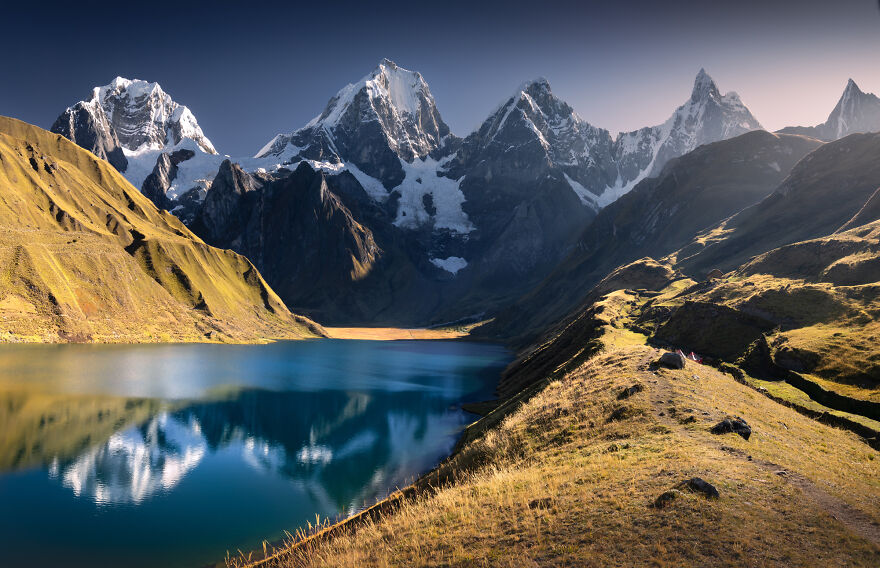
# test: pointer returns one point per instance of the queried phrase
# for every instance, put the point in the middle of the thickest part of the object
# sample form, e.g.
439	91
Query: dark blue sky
250	69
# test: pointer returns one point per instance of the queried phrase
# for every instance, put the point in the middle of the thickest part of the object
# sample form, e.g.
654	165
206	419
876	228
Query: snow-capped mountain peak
156	143
855	111
704	87
145	117
404	92
540	135
534	114
379	124
708	116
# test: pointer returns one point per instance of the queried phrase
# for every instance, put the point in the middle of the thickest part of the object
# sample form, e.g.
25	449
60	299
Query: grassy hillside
86	257
810	307
570	473
659	216
822	193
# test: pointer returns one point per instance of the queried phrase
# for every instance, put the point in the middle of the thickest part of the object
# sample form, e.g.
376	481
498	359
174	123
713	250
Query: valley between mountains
694	306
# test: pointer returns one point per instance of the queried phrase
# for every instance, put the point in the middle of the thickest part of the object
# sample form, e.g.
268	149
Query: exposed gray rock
224	214
156	184
694	485
85	124
698	485
733	425
672	360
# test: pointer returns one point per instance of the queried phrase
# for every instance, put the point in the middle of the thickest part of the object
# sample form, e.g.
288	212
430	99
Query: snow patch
451	264
371	185
586	196
422	178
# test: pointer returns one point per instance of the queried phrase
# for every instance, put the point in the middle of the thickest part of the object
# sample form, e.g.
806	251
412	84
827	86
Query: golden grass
794	395
84	256
567	479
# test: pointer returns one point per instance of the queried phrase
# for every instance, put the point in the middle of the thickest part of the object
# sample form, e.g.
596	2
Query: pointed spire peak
851	87
704	86
533	87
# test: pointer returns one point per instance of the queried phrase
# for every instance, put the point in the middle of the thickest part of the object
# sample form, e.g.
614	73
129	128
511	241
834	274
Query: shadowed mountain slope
658	217
822	193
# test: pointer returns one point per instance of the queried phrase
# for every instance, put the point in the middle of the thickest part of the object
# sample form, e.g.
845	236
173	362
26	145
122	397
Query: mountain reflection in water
175	464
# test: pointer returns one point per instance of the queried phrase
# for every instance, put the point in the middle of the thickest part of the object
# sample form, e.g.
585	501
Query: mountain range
663	289
458	225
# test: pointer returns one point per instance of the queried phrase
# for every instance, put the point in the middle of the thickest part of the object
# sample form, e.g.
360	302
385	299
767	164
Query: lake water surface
170	455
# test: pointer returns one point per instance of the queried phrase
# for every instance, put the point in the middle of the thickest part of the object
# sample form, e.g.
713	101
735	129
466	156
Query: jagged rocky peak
856	111
704	87
534	130
387	116
146	117
532	106
399	100
708	116
131	115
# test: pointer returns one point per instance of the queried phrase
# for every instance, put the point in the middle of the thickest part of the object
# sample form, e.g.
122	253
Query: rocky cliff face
856	111
145	135
322	241
86	125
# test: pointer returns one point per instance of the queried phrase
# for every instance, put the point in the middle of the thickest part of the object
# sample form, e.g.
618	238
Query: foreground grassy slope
564	469
569	476
85	257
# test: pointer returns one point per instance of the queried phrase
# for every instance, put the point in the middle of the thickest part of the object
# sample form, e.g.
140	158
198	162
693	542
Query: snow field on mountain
422	179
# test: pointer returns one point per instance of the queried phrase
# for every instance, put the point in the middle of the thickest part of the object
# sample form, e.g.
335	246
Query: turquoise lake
170	455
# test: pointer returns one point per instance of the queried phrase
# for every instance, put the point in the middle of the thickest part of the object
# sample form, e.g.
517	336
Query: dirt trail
663	397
